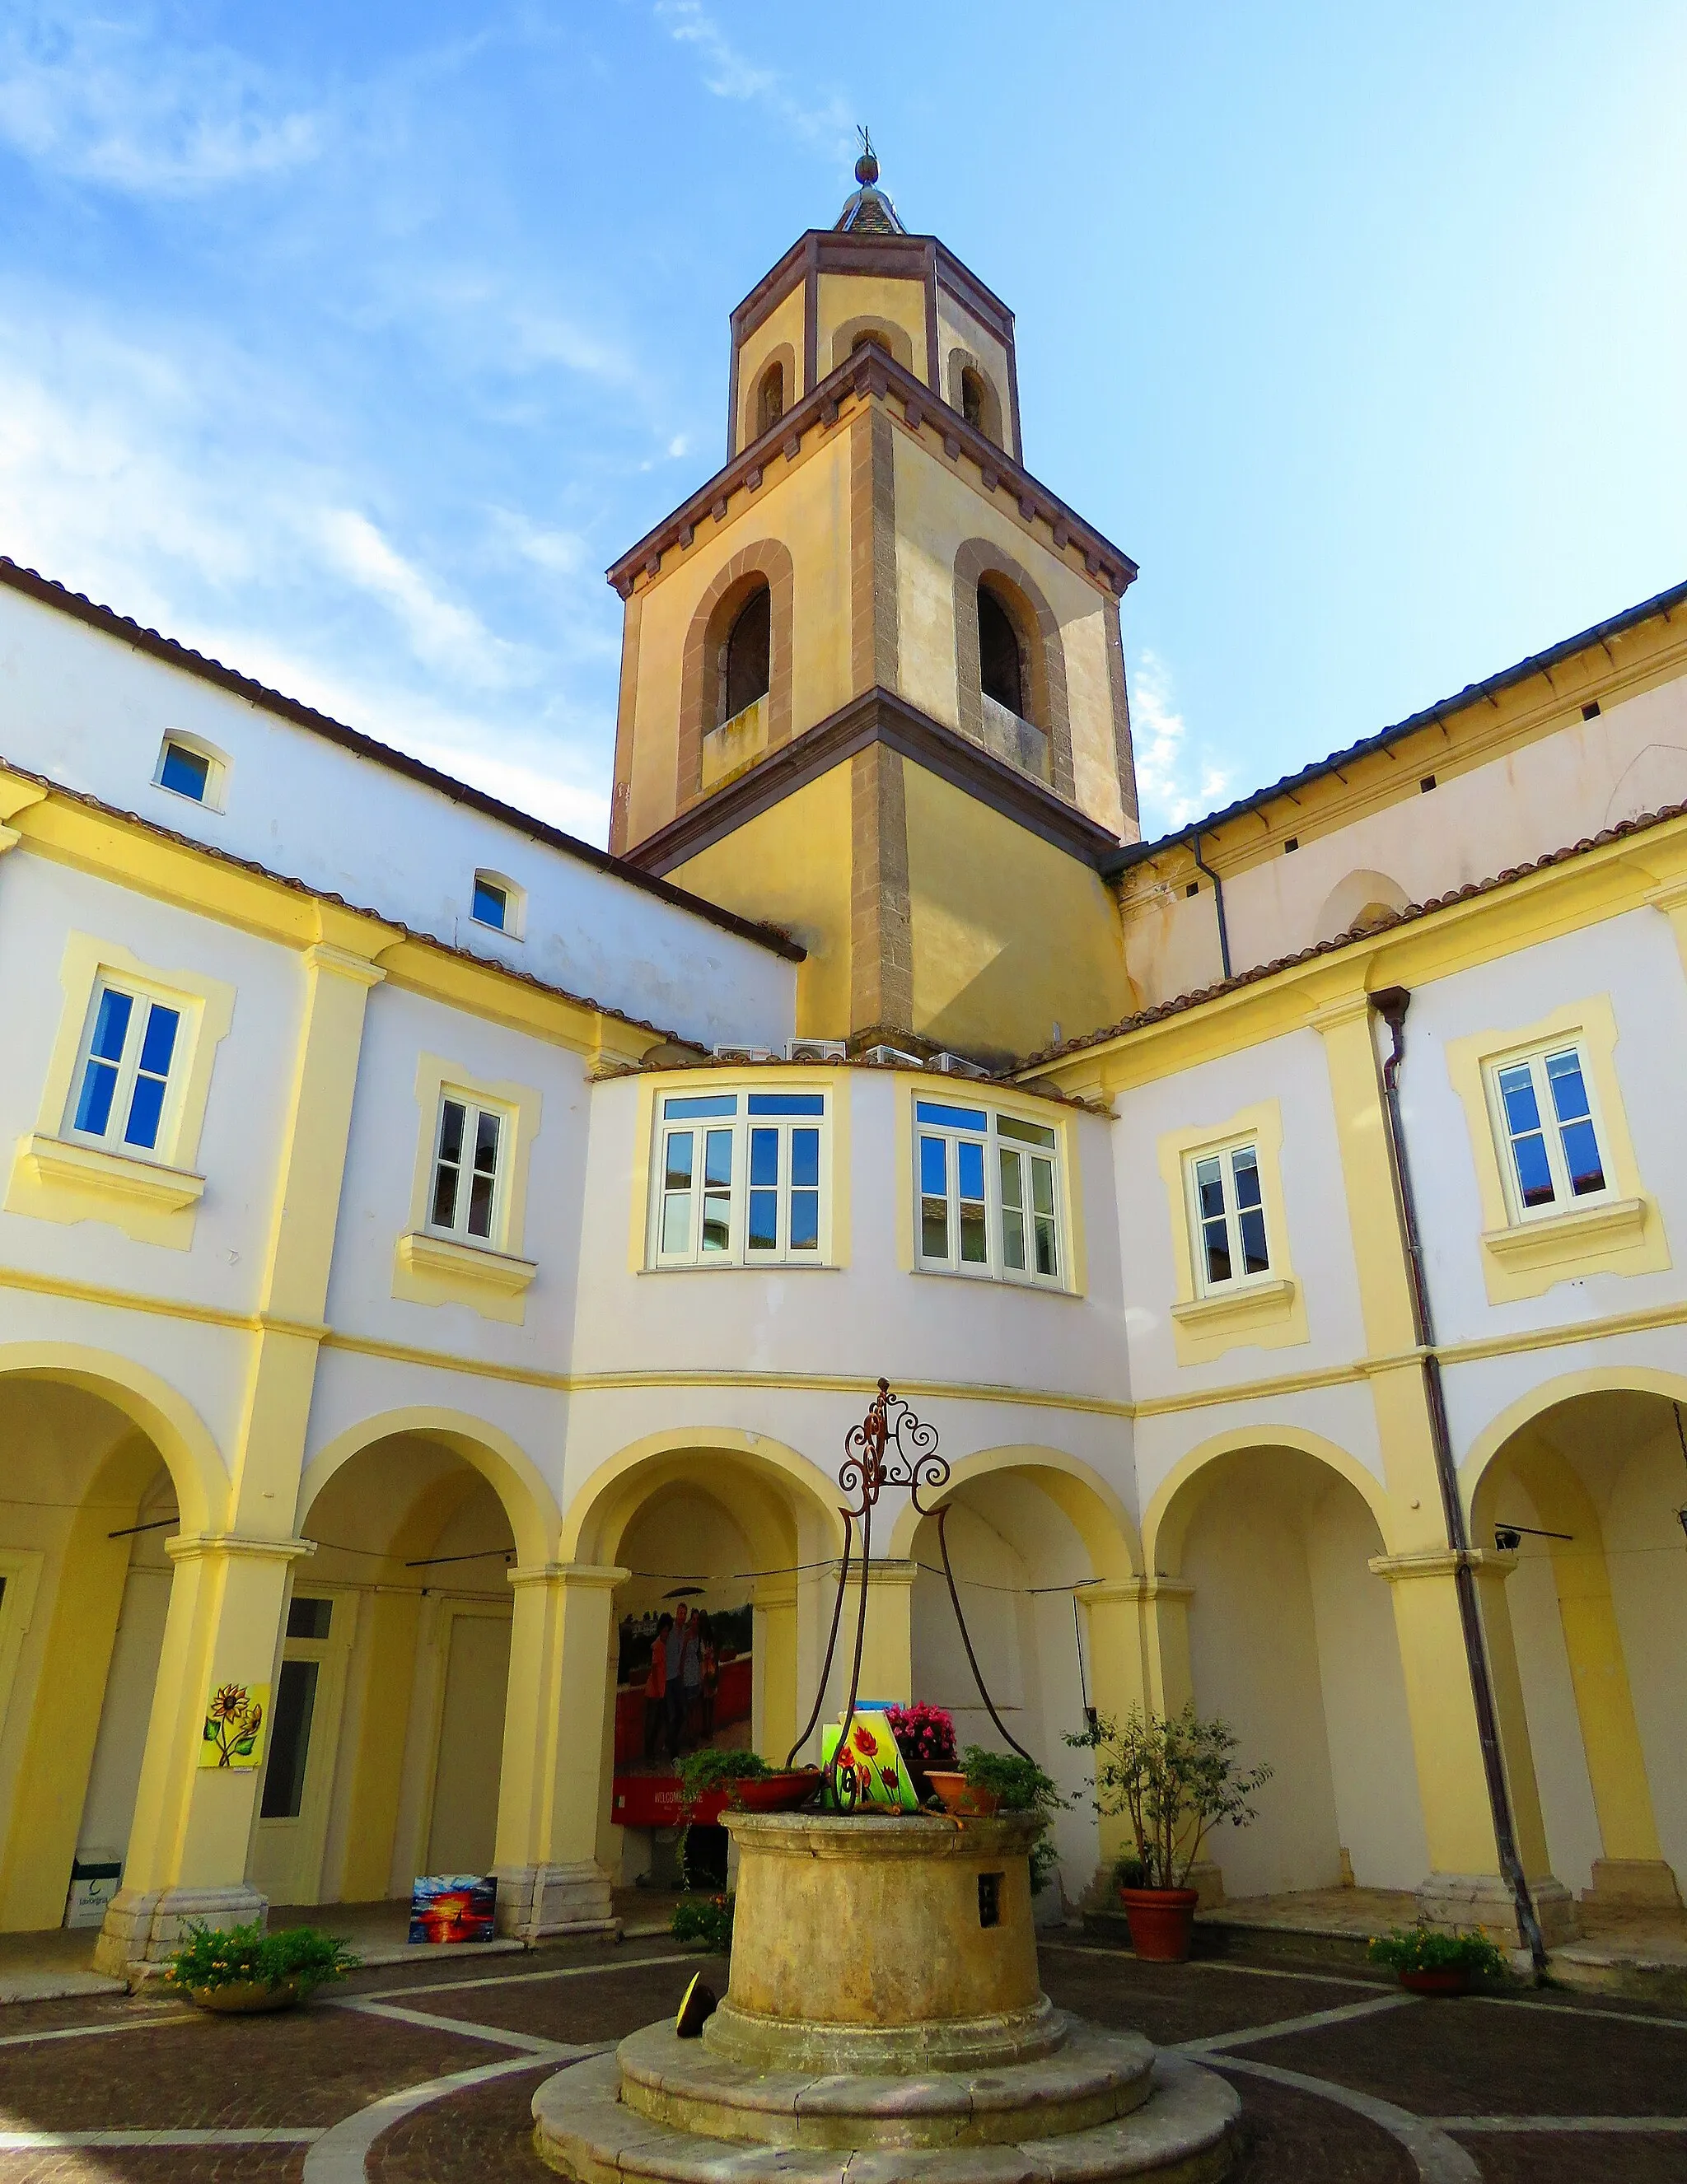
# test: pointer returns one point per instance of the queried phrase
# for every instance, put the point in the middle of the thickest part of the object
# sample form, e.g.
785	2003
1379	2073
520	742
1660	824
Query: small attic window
187	766
972	398
499	903
770	397
872	337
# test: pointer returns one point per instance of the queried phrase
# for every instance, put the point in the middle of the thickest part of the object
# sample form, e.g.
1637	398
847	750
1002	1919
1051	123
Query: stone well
884	1999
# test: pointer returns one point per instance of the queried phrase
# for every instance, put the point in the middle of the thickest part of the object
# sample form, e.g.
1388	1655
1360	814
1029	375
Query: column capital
885	1572
587	1576
1152	1586
192	1546
342	963
1348	1008
1443	1561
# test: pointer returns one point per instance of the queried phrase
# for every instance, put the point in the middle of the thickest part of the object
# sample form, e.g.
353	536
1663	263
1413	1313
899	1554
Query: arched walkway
1291	1641
1583	1479
96	1447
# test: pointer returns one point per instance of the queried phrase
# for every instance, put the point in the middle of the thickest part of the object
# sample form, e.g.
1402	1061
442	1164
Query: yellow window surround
432	1268
1267	1312
57	1177
1023	1106
1619	1233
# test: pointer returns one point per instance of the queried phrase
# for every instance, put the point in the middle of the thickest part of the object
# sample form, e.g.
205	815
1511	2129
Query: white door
305	1734
464	1818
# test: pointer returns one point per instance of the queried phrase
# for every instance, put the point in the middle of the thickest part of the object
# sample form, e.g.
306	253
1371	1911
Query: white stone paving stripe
523	1979
31	2142
1562	2123
548	2050
1575	2009
1310	2022
97	2031
1438	2158
338	2156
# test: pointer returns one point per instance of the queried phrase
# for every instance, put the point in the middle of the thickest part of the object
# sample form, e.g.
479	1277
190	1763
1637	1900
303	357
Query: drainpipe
1391	1005
1218	899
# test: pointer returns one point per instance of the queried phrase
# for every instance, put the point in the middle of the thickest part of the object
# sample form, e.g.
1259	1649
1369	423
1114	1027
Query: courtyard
427	2073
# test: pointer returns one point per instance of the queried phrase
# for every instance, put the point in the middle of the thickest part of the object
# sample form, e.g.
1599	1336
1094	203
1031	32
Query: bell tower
872	684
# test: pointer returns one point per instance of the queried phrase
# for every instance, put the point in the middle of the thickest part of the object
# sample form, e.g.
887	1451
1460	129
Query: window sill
57	1179
748	1267
435	1270
983	1280
1579	1232
1264	1315
1248	1300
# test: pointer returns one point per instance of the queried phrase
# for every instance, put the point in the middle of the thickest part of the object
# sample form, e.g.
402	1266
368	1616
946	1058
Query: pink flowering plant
925	1734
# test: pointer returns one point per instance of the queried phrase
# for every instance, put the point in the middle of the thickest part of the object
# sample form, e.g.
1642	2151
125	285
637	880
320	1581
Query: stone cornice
831	250
870	374
877	715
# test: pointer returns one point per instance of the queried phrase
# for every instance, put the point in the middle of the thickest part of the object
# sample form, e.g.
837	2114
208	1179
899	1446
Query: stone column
776	1667
1465	1887
190	1840
553	1793
887	1648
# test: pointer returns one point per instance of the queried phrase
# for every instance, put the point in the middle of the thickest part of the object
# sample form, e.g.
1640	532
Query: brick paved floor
1378	2096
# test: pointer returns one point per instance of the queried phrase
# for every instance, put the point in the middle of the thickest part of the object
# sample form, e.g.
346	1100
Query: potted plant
704	1922
1431	1963
245	1971
1174	1777
925	1737
991	1782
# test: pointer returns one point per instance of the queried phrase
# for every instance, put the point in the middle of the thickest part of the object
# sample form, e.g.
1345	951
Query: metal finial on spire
867	166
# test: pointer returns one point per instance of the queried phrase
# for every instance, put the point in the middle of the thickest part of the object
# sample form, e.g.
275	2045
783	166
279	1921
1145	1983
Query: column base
1450	1901
1206	1878
1645	1884
537	1901
142	1925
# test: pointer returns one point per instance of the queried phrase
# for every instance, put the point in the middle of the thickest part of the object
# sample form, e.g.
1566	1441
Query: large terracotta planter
959	1796
1162	1922
248	1998
776	1793
1445	1979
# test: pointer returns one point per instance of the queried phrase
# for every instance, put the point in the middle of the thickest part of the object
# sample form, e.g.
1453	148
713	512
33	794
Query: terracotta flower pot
962	1797
247	1998
1162	1922
1444	1978
776	1793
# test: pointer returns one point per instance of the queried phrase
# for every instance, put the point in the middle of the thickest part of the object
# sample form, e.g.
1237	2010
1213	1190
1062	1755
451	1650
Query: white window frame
515	903
1564	1198
215	763
996	1147
737	1121
1241	1277
474	1107
142	999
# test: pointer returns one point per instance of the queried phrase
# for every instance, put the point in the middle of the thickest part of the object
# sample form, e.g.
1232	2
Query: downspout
1218	899
1391	1005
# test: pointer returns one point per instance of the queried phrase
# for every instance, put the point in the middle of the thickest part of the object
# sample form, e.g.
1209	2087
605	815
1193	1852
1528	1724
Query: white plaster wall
90	712
1632	959
114	1777
1579	776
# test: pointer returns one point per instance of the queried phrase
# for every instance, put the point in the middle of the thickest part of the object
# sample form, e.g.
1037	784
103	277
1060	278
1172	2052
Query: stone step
1183	2134
1095	2075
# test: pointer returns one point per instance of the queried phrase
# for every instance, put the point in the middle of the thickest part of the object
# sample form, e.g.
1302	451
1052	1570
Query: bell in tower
873	684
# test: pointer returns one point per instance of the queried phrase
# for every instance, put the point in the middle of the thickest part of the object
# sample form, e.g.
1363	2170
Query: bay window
988	1195
740	1180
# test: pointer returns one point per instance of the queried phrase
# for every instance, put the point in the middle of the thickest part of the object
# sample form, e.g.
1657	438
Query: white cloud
107	99
442	634
729	74
1173	785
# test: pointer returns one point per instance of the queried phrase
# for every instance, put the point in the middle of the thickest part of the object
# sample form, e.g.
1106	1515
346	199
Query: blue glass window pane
787	1103
1246	1169
146	1106
1217	1241
185	771
805	1221
763	1232
1027	1133
93	1109
691	1111
718	1157
805	1158
158	1042
1516	1090
933	1166
491	905
764	1157
678	1176
1534	1177
1569	1093
111	1025
1581	1158
970	1167
952	1118
1254	1259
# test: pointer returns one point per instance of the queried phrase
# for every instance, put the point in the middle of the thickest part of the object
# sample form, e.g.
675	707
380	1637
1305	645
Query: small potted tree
1175	1778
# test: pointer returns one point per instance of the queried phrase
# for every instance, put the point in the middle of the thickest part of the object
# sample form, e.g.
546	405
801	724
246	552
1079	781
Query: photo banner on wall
684	1683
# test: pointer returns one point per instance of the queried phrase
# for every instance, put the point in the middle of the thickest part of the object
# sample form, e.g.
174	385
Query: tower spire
868	211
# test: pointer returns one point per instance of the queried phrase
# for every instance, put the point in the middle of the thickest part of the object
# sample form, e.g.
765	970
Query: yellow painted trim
1266	1314
514	1476
50	1180
597	1500
1523	1256
1177	1497
1101	1518
162	1412
432	1269
1546	1395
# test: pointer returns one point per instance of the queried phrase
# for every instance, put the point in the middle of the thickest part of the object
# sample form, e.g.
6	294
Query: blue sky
349	344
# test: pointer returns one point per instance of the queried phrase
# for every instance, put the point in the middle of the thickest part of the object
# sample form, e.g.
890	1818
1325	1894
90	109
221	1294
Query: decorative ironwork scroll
891	1447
